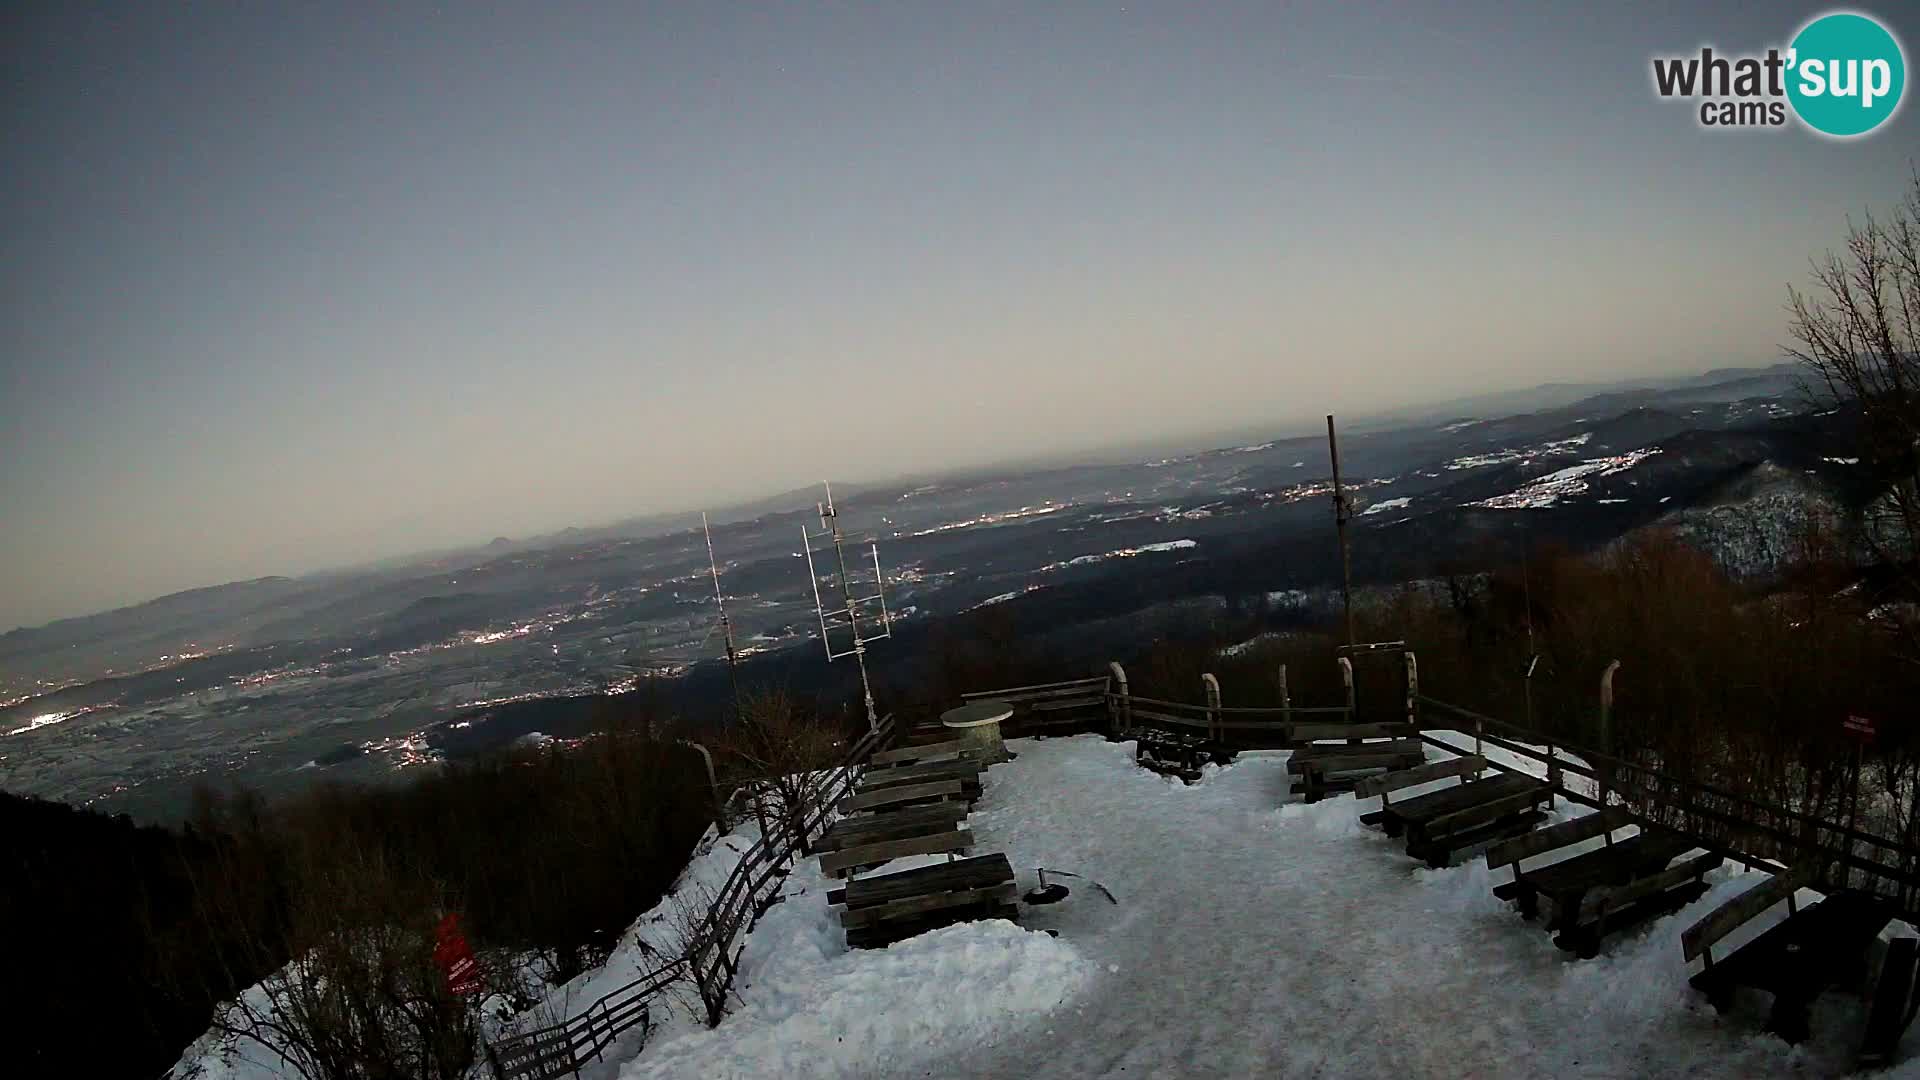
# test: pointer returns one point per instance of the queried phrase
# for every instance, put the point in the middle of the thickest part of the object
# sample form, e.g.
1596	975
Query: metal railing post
1606	729
1212	686
1121	705
1346	678
1413	689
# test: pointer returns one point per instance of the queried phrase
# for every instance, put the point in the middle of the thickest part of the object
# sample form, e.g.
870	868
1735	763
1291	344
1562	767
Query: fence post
1212	687
1346	677
1120	706
1605	771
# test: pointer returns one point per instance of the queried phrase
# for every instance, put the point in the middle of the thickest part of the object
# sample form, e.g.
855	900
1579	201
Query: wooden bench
1612	909
1890	1007
1465	816
904	795
967	772
873	852
1386	784
892	907
889	824
1797	960
1173	753
946	749
1324	767
1566	883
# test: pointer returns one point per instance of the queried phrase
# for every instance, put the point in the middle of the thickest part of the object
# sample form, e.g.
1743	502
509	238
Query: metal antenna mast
830	528
726	625
1342	512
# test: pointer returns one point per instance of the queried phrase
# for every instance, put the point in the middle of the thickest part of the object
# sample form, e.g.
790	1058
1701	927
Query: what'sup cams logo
1843	75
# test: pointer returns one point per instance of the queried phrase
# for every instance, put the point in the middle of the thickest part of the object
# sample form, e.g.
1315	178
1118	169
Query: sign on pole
1859	727
455	957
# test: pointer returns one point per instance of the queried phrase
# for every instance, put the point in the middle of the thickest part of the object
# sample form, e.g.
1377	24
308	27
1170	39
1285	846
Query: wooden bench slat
1419	774
920	905
1142	713
903	794
1068	703
1611	899
1729	916
835	862
1566	833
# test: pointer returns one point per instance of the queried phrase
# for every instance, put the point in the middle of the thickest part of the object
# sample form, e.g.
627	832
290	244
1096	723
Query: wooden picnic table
1566	883
1799	958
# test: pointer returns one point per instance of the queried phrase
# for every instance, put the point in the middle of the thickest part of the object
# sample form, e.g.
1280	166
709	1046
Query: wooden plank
1728	917
1306	733
1068	703
835	862
1141	713
920	905
1557	836
974	873
1419	774
902	754
1598	904
924	772
1013	691
896	795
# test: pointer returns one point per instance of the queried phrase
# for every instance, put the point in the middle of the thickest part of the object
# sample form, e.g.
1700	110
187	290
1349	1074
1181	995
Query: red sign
1859	727
455	957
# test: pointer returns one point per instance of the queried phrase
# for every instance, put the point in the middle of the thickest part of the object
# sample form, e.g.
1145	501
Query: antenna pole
726	625
830	520
1340	516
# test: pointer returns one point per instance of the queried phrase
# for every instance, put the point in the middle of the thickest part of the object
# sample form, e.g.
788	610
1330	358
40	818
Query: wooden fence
710	958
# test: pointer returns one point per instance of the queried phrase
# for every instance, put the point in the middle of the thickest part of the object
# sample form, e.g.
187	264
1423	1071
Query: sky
295	287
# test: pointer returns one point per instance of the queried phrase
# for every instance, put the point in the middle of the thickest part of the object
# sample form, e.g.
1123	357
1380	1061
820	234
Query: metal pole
1340	516
1212	687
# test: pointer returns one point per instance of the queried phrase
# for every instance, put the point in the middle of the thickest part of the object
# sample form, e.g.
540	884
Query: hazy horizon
300	289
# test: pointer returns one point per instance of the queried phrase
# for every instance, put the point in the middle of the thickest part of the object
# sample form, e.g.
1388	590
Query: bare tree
783	754
1857	330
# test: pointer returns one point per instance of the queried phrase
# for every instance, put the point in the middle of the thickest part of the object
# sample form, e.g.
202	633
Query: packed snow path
1253	937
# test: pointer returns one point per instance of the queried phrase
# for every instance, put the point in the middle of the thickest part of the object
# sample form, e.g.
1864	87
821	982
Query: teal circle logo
1845	75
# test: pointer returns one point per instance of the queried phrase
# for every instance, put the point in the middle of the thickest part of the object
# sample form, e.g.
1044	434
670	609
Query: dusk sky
296	288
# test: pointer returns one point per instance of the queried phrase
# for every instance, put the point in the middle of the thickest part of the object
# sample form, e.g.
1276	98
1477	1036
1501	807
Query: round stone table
978	724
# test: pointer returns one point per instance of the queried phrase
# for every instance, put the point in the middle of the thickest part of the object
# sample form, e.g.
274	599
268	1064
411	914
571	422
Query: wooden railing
1048	706
710	958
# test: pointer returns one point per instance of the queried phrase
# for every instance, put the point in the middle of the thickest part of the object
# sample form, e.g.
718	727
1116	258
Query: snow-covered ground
1253	936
